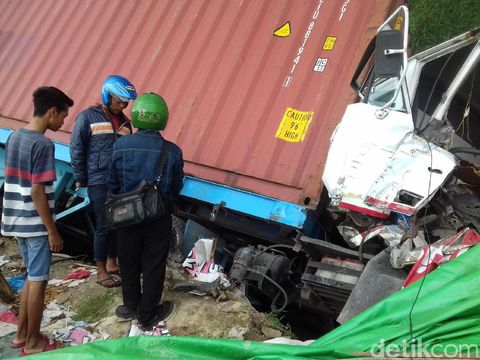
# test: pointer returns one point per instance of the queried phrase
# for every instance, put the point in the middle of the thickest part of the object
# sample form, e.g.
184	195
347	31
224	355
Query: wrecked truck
255	91
403	166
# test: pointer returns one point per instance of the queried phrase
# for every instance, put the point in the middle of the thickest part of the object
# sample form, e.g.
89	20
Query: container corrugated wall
227	78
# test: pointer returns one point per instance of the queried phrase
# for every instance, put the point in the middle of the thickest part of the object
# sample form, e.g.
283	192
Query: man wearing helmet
96	130
144	248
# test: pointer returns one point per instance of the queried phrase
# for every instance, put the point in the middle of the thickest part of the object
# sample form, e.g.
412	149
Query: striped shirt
29	159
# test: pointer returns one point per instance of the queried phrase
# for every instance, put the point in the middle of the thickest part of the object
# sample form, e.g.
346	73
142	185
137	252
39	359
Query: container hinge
298	243
214	212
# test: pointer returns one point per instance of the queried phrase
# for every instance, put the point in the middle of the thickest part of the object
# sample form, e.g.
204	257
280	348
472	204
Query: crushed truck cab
403	164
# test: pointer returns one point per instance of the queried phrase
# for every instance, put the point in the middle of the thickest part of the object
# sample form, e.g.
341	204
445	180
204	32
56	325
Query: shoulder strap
163	159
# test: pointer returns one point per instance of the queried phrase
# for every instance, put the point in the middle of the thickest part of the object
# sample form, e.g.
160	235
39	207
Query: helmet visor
120	98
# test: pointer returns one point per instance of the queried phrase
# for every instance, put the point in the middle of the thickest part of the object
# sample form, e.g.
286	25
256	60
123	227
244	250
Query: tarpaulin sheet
171	347
446	316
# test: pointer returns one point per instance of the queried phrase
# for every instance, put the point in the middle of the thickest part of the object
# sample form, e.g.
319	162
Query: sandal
49	346
110	281
18	345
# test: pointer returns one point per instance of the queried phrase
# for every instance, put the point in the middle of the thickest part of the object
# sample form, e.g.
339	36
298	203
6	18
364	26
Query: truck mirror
388	54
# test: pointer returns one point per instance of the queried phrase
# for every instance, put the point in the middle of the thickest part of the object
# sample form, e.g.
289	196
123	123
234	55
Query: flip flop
49	346
15	345
107	282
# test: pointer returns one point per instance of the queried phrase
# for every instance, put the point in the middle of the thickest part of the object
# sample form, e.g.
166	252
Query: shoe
162	313
125	313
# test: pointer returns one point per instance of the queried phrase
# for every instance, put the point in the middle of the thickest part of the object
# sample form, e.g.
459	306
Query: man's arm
177	183
41	204
78	149
113	185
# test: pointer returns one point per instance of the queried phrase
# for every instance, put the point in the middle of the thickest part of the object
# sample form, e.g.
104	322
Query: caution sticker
329	43
398	23
283	31
294	125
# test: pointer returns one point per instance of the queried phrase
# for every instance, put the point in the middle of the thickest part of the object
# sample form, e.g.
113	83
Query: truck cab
404	132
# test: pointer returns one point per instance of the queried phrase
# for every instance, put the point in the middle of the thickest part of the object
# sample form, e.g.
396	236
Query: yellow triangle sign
283	31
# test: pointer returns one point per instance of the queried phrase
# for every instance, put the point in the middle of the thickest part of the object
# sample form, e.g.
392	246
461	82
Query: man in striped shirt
28	207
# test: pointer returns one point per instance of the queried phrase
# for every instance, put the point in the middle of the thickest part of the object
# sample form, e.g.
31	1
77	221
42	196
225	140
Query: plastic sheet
16	282
171	347
444	319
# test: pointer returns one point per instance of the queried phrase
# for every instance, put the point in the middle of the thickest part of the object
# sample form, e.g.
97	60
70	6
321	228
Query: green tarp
446	316
187	348
446	319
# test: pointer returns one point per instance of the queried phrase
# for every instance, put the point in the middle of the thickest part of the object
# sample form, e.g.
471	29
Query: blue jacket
91	144
137	157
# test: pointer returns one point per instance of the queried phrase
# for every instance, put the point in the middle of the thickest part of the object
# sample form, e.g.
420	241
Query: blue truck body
209	194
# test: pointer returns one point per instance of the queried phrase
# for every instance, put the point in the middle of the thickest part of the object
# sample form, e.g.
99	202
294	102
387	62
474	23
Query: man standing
144	248
96	130
28	207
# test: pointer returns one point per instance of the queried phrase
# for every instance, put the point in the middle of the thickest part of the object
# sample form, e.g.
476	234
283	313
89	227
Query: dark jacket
91	144
137	157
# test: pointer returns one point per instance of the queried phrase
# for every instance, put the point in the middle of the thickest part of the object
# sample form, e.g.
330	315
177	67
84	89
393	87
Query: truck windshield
382	90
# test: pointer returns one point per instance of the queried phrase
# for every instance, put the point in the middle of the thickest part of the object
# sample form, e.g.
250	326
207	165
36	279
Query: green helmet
150	111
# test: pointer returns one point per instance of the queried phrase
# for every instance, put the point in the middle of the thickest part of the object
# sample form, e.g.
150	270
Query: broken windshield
382	91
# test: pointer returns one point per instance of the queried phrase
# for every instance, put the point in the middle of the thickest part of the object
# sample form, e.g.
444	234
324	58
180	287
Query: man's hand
56	241
41	204
79	184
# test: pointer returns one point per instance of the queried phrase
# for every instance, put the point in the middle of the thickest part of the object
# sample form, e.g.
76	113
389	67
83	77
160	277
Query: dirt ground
224	316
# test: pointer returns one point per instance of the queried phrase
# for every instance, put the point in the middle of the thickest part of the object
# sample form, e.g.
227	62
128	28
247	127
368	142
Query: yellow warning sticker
329	43
398	23
294	125
283	31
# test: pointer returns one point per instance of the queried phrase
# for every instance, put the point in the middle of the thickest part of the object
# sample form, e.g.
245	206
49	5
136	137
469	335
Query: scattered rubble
72	288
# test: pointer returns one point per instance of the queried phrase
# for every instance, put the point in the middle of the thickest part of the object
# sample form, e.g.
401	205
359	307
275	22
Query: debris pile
79	311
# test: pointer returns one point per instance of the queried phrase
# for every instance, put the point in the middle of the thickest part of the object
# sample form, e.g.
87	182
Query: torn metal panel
408	252
391	234
348	233
361	148
378	165
414	174
442	252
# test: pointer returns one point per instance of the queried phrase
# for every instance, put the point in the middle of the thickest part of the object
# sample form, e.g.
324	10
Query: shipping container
255	87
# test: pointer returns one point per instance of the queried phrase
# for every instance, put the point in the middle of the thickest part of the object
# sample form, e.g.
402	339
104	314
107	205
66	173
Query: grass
274	320
435	21
94	308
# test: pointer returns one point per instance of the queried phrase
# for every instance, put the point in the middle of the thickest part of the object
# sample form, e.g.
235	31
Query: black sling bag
142	204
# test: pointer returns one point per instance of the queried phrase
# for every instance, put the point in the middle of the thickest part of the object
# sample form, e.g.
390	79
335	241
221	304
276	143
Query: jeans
36	255
144	249
105	242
